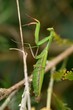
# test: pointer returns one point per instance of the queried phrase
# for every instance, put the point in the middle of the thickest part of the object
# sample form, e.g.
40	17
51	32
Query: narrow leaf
59	104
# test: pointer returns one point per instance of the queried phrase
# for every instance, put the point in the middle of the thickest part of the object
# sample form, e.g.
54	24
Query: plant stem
50	88
49	65
6	102
25	64
59	58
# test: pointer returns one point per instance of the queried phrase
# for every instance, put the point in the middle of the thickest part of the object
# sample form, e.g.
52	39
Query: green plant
39	71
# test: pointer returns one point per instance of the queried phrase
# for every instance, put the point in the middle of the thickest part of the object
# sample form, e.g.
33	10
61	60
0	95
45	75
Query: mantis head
50	29
52	32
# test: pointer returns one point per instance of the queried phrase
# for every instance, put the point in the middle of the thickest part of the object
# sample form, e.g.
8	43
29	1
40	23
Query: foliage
63	74
4	45
59	104
62	41
11	69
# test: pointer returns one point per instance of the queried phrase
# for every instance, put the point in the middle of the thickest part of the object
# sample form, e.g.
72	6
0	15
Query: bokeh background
51	13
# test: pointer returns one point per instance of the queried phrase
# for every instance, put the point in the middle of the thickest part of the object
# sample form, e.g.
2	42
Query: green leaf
58	75
69	75
59	104
62	41
63	74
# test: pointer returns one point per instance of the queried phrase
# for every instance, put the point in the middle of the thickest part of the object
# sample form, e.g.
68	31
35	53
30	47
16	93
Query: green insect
39	68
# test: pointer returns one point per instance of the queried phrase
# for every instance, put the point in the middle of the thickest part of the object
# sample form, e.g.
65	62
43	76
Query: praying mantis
39	67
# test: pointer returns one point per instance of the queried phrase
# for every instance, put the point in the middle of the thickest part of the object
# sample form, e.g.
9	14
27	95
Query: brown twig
51	64
24	54
59	58
6	102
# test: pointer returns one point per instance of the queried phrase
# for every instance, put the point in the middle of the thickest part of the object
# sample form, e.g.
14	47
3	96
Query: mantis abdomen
38	74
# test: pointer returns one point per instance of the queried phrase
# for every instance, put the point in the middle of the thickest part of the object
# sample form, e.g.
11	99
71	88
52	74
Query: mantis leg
34	55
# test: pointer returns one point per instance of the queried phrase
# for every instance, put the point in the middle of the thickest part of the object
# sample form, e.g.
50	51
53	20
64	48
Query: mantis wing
38	74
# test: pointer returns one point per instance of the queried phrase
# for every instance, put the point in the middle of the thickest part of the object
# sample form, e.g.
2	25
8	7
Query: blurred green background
51	13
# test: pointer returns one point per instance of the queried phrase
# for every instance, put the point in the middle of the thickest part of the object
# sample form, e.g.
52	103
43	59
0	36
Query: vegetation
36	73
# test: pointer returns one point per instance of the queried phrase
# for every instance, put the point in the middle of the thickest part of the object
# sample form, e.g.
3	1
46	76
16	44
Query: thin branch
50	65
50	89
24	62
59	58
6	102
5	92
